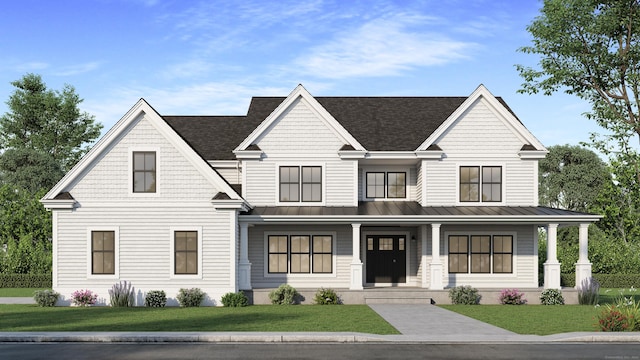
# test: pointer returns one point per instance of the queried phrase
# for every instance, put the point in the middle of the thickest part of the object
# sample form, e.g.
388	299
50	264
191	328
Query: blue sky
210	57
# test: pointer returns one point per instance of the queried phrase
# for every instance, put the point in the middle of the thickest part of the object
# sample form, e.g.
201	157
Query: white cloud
383	47
76	69
31	66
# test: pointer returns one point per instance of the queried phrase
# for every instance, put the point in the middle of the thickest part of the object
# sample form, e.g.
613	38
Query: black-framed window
481	254
391	185
300	183
186	252
480	180
103	252
300	254
144	172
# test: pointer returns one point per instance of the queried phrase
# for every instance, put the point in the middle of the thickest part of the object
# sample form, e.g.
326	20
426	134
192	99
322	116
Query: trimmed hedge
25	280
606	280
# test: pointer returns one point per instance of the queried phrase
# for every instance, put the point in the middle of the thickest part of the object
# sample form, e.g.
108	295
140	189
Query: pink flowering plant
512	297
84	297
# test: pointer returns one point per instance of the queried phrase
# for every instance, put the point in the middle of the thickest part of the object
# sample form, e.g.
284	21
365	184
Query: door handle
394	260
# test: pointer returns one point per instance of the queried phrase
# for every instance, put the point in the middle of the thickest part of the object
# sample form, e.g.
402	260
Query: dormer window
300	183
390	185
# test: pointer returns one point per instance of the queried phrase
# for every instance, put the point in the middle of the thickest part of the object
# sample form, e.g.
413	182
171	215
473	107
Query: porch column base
552	275
583	271
356	277
244	274
435	272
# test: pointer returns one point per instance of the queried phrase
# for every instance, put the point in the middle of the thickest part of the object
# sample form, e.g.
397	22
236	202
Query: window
472	185
482	254
391	185
300	254
103	252
186	252
144	172
307	187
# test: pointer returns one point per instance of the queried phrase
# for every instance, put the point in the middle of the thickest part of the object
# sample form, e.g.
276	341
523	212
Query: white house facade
350	193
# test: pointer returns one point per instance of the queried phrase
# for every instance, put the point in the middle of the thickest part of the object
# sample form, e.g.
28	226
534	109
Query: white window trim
311	274
456	277
172	267
116	253
385	170
480	202
300	202
131	150
409	278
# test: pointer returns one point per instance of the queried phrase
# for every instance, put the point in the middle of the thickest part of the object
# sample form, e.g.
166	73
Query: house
351	193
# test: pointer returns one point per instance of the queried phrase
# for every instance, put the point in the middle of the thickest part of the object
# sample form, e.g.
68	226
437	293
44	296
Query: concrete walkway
417	323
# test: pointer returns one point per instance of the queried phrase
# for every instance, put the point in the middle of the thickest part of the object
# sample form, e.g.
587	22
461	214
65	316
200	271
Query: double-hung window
300	254
144	171
480	184
480	254
103	252
300	183
185	252
390	185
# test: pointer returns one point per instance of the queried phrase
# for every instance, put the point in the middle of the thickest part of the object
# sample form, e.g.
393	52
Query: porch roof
410	211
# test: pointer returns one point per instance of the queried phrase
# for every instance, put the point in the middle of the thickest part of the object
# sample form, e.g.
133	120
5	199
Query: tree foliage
571	177
47	121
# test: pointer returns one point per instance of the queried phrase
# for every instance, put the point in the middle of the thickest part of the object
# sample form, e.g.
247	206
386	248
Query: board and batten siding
343	257
144	222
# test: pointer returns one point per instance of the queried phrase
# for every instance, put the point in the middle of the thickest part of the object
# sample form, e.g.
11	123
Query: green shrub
511	297
155	298
589	292
464	295
46	298
122	294
237	299
190	297
327	297
285	294
551	297
25	280
612	281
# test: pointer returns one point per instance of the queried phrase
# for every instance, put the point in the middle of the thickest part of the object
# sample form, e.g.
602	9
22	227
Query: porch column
583	266
552	266
436	264
423	258
356	263
244	266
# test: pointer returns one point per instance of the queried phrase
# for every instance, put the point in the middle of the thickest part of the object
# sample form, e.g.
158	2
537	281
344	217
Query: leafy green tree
47	123
571	177
22	214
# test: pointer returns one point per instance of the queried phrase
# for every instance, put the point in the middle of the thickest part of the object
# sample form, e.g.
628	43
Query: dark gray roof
378	123
414	209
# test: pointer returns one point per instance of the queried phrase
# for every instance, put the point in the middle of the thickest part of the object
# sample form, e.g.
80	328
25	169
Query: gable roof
140	108
377	123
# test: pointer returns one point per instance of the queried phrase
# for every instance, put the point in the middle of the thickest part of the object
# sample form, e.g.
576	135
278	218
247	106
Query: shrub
46	298
589	292
464	295
155	298
512	297
611	319
237	299
84	297
25	280
190	297
551	297
327	297
285	294
122	294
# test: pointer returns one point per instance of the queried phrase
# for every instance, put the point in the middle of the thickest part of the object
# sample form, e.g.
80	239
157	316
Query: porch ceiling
413	212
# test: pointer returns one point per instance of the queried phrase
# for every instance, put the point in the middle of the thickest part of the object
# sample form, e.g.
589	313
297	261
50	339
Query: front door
386	259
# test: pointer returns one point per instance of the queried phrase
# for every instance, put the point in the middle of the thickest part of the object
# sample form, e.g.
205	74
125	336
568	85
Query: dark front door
386	259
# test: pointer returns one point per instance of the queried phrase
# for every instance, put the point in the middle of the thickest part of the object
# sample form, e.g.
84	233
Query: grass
17	292
267	318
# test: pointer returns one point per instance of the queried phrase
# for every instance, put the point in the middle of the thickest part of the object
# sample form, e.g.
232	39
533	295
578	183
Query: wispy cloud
383	47
76	69
31	66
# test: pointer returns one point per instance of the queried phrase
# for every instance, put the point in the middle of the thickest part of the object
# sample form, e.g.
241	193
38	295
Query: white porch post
435	268
583	266
356	263
244	265
423	258
552	266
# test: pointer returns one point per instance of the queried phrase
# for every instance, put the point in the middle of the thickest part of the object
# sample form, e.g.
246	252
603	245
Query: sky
189	57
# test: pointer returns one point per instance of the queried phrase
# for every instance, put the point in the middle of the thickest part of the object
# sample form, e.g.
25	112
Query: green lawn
17	292
269	318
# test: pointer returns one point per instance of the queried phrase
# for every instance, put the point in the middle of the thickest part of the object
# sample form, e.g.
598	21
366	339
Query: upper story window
144	171
480	180
300	183
391	185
